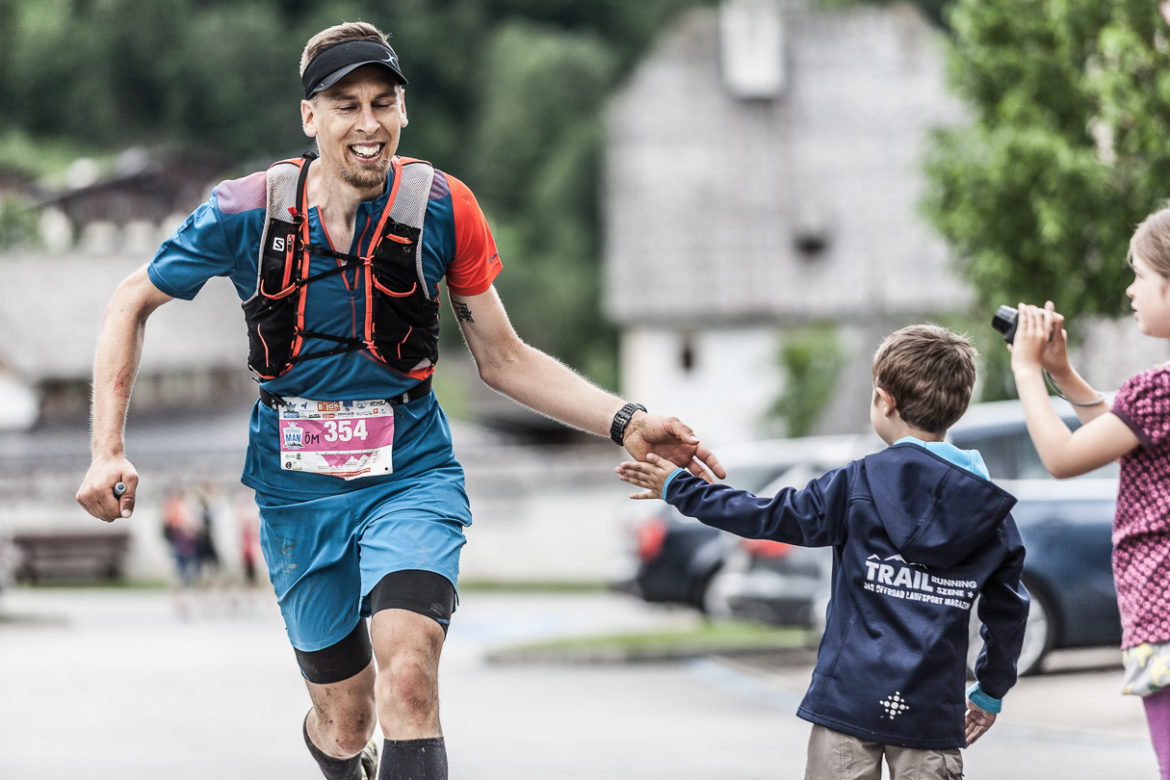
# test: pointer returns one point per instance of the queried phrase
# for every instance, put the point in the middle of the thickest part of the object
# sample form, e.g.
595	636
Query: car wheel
714	594
1038	635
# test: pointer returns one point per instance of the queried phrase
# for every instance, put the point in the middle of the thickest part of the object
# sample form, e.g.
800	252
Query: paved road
100	685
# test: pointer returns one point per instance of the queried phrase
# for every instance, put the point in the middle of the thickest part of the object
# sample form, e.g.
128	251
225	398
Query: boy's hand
650	474
978	722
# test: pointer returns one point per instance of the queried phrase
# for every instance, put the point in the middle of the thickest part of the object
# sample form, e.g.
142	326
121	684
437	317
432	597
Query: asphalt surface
104	684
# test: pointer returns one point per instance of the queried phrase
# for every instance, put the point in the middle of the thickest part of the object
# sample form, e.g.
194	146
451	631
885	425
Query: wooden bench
70	555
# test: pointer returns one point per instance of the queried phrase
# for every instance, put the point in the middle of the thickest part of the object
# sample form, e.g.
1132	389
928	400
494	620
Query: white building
762	174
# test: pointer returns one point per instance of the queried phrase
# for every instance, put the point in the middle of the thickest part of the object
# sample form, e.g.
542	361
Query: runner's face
357	123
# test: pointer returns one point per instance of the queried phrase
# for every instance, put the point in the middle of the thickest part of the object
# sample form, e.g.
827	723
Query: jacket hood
935	513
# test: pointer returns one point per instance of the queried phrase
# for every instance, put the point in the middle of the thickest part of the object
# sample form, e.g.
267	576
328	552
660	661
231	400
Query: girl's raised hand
1033	331
1054	358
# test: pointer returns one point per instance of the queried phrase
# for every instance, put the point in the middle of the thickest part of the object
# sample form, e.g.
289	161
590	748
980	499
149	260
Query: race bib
347	439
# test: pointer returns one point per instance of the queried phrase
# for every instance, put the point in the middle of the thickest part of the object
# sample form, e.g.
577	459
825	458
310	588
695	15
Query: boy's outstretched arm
813	516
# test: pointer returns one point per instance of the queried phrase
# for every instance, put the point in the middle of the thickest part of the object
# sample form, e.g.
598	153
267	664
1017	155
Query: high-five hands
670	438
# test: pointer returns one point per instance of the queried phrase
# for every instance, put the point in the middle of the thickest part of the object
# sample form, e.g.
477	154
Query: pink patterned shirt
1141	527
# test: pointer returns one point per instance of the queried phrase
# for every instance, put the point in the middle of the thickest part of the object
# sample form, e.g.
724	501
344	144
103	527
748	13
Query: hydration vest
401	328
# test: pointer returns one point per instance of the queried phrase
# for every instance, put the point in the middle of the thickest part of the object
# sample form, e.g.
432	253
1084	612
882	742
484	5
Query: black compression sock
333	768
414	759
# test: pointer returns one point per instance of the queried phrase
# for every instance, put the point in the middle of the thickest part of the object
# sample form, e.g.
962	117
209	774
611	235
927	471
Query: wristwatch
617	429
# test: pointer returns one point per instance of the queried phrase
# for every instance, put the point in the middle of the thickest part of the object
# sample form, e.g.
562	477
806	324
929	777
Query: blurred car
6	563
1066	526
673	558
773	582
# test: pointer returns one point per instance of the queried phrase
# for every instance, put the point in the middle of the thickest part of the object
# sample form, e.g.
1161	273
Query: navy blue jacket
915	539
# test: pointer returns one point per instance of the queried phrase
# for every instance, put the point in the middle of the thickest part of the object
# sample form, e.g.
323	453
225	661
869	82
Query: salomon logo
278	244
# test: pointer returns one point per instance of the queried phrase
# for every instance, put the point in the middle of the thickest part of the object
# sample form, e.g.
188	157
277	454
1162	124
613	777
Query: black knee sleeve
414	758
416	590
339	661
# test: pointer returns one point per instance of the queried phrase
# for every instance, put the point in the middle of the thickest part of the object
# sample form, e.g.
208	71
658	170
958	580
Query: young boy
918	532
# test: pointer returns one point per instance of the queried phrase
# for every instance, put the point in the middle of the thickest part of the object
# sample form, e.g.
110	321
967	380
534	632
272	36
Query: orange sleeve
476	262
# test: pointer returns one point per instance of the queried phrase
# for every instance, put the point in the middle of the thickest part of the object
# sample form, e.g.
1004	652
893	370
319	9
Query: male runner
361	499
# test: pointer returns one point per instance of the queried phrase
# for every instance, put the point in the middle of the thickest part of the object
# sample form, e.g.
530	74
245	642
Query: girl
1136	430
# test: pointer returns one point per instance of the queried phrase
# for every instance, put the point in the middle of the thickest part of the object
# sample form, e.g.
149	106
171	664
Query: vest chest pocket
394	264
277	277
272	334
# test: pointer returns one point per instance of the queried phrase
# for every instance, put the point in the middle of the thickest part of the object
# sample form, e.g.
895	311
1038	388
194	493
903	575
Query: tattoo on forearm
463	312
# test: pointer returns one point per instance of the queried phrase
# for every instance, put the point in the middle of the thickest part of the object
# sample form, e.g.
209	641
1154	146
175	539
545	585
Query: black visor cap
338	61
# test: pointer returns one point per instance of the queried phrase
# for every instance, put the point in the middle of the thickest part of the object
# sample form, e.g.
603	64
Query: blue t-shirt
222	237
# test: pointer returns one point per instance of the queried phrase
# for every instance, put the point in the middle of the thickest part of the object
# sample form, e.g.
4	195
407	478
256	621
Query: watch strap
617	429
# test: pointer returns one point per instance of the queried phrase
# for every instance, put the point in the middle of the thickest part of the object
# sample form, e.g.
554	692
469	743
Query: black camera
1005	322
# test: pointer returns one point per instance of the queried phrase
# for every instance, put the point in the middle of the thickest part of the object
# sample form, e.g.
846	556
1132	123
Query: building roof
53	306
788	207
144	185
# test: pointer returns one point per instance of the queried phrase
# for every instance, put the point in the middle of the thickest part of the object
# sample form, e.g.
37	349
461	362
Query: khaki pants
836	756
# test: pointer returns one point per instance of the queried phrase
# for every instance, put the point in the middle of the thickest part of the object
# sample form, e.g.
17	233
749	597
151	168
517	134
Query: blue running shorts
326	554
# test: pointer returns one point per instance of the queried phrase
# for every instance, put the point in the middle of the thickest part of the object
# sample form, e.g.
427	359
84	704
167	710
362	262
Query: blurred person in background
337	257
206	549
248	526
182	539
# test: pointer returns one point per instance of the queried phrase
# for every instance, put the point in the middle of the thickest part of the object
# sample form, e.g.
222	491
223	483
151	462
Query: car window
1030	466
796	477
1000	452
1009	454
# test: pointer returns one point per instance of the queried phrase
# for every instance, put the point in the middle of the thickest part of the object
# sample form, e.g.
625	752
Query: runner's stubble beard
365	178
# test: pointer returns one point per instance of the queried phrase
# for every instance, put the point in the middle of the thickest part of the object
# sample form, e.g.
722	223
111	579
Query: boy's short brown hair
930	372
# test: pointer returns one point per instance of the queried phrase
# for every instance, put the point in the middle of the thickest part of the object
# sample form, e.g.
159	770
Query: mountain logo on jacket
896	557
894	571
